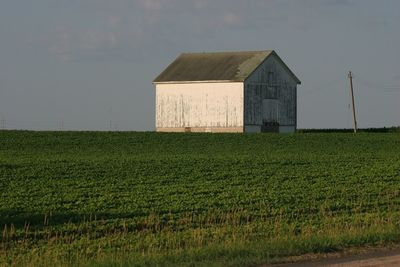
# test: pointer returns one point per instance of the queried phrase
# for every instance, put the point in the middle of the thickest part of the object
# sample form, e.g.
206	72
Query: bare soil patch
367	257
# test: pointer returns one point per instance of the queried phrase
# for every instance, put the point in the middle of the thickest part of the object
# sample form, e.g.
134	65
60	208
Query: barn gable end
271	97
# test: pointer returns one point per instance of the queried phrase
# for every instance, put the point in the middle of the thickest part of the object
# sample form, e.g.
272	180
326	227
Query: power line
335	84
382	88
323	87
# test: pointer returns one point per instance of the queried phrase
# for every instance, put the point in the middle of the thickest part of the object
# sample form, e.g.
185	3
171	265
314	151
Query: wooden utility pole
352	101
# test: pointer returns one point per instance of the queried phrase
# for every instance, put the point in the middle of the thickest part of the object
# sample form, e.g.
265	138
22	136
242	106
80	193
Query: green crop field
152	199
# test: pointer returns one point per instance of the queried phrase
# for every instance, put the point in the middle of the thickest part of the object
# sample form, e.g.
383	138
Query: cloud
152	5
396	77
93	39
339	2
72	45
103	30
231	19
200	4
114	21
60	45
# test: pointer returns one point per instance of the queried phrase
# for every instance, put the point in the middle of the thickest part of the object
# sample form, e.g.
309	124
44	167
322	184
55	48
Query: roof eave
207	81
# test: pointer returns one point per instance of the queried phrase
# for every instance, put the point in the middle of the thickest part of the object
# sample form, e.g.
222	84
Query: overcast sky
79	64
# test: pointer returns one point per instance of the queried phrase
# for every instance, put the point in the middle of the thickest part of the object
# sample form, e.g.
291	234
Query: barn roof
215	66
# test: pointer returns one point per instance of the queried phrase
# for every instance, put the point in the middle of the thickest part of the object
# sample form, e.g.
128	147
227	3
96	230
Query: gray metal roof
215	66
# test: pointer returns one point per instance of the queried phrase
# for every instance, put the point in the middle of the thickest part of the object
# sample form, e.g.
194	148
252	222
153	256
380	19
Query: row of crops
168	199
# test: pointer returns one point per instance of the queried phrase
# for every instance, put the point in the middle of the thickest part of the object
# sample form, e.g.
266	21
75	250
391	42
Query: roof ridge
229	52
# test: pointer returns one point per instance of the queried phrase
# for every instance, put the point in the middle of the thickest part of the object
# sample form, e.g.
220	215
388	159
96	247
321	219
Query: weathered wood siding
199	106
270	96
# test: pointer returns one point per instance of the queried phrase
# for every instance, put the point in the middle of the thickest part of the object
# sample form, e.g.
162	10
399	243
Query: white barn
227	92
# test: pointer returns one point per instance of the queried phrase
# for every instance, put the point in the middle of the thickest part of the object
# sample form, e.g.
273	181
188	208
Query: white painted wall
214	104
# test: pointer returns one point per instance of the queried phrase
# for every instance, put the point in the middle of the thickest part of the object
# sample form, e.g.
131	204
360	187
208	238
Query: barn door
270	115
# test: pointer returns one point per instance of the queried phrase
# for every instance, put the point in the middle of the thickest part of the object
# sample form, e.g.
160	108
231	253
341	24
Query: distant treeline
366	130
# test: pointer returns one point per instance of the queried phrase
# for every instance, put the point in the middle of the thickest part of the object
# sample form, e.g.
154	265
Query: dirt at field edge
366	257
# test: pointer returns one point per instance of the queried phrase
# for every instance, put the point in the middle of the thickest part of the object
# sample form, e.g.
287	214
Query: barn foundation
201	129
